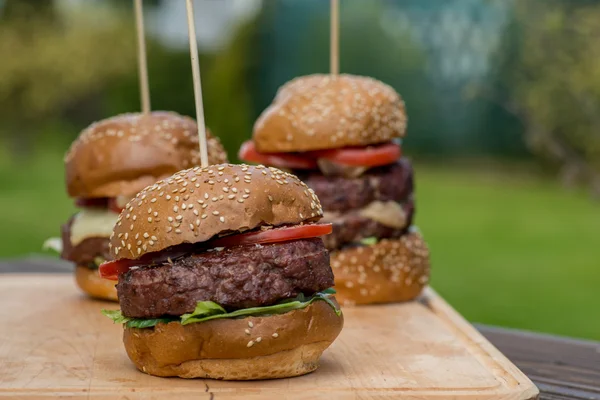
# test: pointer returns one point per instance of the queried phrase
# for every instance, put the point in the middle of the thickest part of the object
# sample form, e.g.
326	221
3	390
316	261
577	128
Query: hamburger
105	167
222	274
341	136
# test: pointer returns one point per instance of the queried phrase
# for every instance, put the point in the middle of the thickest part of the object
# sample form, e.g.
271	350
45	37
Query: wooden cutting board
55	342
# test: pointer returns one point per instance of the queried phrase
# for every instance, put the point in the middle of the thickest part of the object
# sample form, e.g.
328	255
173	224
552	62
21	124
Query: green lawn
507	249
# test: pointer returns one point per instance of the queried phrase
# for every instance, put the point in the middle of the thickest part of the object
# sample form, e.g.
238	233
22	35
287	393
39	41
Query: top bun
120	156
323	111
196	204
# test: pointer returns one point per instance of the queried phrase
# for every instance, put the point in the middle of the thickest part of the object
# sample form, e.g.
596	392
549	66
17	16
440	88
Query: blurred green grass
508	248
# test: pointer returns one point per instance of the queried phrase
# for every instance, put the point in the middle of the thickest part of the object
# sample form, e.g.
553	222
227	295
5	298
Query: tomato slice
249	153
274	235
112	269
114	205
371	156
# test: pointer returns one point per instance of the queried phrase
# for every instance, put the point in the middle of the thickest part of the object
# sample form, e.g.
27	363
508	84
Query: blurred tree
548	75
227	79
51	61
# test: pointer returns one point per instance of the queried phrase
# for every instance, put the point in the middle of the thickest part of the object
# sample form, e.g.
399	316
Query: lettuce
207	310
369	241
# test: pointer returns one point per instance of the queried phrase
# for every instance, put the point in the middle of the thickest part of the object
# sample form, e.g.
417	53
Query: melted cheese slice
92	222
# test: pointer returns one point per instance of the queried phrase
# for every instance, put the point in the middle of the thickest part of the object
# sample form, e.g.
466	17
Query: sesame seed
250	344
250	324
204	216
215	213
168	197
175	209
177	230
170	219
247	331
231	196
275	335
258	339
222	219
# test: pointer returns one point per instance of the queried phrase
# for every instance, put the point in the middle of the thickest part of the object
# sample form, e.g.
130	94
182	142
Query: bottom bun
391	270
90	282
262	347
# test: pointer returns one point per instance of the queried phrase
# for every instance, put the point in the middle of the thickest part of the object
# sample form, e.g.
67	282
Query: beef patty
351	227
390	182
86	251
236	277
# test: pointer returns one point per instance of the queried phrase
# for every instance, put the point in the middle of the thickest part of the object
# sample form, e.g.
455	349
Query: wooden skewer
197	84
142	61
334	47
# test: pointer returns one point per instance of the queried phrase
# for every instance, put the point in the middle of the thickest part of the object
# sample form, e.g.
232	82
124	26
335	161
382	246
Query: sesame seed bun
90	282
390	271
322	111
123	154
276	346
196	204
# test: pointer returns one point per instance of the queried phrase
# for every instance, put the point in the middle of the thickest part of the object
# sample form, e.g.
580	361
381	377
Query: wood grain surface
562	368
54	342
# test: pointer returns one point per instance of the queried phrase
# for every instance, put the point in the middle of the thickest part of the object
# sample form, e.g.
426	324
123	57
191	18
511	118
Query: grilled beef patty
86	251
390	182
236	277
350	228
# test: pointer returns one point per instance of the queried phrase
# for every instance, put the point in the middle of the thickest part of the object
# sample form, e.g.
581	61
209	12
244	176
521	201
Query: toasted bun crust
124	154
276	346
322	111
90	282
196	204
389	271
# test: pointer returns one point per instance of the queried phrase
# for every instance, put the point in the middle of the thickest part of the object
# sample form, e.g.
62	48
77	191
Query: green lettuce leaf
116	316
369	241
208	310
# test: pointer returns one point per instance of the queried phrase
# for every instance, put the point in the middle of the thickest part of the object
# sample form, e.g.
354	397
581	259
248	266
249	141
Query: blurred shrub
52	61
549	77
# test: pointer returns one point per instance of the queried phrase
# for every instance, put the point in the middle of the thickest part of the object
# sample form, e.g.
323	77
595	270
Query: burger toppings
392	182
387	213
91	222
208	310
350	228
235	278
280	234
112	269
349	161
90	247
249	153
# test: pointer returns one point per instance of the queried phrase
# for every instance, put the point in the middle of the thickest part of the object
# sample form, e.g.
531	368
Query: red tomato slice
98	202
112	269
274	235
371	156
114	206
249	153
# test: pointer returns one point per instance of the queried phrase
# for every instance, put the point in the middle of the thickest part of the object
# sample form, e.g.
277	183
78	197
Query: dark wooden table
562	368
